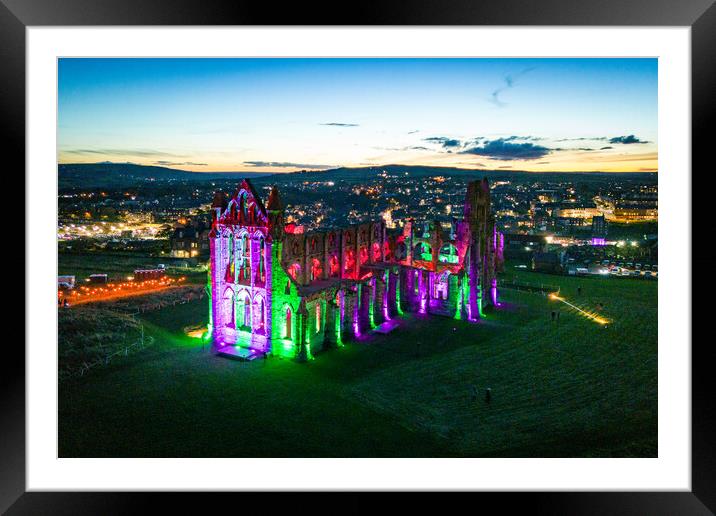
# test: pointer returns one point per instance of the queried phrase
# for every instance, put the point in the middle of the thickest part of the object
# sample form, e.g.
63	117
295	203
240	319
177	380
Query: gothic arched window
262	265
287	326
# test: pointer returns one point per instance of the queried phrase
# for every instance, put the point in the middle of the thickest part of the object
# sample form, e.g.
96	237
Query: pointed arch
335	266
243	205
319	315
228	308
262	258
316	269
243	310
259	312
288	322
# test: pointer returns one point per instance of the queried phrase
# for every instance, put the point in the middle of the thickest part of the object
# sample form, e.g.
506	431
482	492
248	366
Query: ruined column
304	345
350	328
366	294
392	295
422	297
453	292
330	333
407	291
379	299
473	310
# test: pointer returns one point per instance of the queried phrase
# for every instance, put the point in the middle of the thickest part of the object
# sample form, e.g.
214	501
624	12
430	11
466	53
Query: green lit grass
571	388
575	389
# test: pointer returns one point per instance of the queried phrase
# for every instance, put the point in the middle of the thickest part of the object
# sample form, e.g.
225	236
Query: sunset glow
283	115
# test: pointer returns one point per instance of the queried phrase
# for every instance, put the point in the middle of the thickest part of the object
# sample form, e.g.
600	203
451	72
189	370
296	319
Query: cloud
605	148
147	153
504	150
390	148
626	139
339	124
185	163
286	164
83	151
510	81
444	141
595	139
521	138
413	132
417	147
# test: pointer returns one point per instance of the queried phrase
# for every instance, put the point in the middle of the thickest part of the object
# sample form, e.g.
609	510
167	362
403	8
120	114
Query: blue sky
288	114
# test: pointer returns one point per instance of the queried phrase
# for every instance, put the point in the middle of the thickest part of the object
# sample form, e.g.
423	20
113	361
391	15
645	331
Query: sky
282	115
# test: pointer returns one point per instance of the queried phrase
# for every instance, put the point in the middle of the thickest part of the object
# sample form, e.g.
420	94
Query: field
120	265
571	387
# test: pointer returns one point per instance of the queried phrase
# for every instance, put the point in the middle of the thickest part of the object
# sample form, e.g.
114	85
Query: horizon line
321	170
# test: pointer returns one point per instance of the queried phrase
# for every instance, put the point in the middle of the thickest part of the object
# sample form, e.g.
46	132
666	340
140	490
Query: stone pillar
379	303
422	297
392	294
430	291
453	291
464	296
366	293
350	328
407	289
214	287
304	352
474	285
331	337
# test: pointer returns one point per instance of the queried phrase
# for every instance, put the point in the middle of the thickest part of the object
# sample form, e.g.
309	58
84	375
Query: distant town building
568	223
577	212
522	246
635	212
552	262
98	278
599	230
146	274
191	239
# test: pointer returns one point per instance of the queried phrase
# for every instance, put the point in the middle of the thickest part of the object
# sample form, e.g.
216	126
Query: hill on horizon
121	175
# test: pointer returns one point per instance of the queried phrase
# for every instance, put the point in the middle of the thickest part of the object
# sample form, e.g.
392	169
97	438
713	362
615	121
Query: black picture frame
700	15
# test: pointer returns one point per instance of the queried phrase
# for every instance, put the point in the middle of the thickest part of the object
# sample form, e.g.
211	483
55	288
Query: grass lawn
572	388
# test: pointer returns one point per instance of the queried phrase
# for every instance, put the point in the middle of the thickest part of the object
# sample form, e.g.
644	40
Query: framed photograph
419	252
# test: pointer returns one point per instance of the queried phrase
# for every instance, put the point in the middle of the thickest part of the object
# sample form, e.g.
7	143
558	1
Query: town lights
119	288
